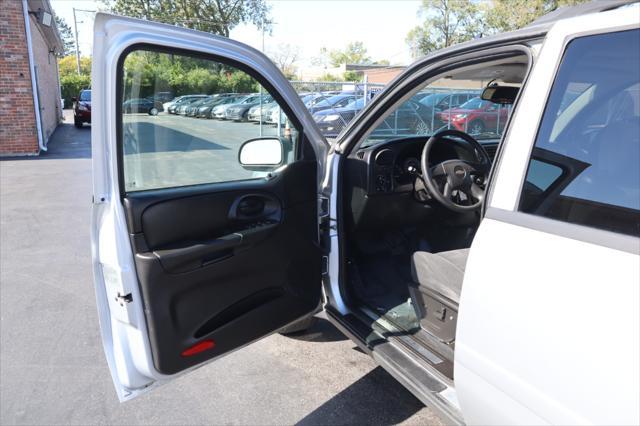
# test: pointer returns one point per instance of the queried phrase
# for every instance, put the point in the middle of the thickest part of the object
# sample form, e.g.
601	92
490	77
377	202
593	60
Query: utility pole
75	30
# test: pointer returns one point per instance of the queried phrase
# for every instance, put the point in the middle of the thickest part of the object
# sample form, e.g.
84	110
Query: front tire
153	111
77	122
476	127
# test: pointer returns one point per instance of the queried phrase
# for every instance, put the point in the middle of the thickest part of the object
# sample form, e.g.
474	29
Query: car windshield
475	103
329	101
357	104
85	95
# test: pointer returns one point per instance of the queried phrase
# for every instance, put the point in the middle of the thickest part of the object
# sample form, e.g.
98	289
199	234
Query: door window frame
149	47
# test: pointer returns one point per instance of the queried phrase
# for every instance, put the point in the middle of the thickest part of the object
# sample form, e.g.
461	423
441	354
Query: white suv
496	275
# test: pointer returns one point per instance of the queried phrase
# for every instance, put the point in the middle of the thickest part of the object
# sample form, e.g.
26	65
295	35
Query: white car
497	278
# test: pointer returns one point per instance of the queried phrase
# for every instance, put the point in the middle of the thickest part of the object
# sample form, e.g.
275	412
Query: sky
310	24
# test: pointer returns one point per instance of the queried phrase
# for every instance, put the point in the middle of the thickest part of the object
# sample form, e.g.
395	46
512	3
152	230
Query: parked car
204	109
240	111
435	103
82	108
161	97
476	270
476	116
334	101
142	105
174	105
332	121
256	112
220	111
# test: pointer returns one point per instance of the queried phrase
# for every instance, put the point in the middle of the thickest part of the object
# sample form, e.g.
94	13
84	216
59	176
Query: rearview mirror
261	154
504	95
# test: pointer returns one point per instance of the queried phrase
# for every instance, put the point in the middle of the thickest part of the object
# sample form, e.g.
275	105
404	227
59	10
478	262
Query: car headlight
460	116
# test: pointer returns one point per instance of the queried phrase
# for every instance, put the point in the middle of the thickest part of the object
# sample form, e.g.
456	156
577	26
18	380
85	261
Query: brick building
30	108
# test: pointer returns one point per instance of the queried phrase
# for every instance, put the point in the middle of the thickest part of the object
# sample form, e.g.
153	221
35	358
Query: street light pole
75	29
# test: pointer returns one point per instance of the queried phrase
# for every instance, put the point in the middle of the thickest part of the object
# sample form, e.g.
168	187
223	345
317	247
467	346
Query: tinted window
585	165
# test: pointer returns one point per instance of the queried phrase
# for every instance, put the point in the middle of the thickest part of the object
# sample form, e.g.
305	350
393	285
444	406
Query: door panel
208	271
195	254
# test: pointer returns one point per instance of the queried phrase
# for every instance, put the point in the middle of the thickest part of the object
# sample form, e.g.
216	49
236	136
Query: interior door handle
190	257
251	206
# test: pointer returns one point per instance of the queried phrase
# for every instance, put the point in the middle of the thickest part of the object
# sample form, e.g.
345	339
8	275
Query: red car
82	108
477	116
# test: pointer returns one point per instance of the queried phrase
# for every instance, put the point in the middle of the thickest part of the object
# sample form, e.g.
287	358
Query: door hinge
122	299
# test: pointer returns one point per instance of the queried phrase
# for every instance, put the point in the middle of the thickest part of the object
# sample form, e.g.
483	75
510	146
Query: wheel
299	326
421	128
476	127
77	122
153	111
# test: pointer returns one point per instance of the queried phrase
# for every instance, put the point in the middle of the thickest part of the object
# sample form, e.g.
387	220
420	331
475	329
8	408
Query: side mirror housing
74	99
261	154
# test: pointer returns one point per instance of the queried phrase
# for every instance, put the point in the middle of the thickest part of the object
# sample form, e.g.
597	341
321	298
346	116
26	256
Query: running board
419	378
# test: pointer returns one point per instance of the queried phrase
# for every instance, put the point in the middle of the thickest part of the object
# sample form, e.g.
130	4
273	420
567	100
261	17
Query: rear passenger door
205	233
549	321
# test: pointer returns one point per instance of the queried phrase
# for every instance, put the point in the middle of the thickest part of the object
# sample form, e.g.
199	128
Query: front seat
441	272
436	292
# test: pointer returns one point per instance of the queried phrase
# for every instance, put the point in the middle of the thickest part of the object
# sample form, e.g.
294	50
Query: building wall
18	133
47	81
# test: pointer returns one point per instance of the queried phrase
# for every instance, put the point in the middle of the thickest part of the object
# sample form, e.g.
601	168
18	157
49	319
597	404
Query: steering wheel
458	185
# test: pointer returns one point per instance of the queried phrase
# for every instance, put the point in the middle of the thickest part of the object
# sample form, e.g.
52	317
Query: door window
196	139
585	165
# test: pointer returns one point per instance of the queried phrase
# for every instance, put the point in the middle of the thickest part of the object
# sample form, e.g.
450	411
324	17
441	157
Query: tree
68	40
67	65
354	53
285	57
509	15
212	16
446	23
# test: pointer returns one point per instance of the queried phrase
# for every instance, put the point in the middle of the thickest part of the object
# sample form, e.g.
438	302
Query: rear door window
585	165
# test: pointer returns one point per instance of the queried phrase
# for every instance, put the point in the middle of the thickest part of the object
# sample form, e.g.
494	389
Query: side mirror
261	154
74	99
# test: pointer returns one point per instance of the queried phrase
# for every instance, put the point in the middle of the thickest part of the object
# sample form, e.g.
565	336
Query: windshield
329	101
85	95
358	104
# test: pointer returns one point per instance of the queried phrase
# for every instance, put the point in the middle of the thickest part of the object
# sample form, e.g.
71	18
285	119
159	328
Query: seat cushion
440	272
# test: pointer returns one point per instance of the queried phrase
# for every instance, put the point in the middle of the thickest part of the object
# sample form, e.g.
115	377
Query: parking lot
52	369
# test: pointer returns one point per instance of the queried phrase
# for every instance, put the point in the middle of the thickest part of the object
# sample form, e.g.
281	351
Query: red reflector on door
198	347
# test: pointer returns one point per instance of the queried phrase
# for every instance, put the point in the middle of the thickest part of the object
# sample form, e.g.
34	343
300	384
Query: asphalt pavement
52	368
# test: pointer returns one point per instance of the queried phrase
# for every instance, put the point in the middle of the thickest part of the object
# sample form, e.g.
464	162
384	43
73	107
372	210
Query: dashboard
379	182
392	166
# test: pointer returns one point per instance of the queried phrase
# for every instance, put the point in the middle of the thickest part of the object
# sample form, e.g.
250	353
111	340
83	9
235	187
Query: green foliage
68	40
147	73
352	76
212	16
70	82
509	15
448	22
354	53
71	85
329	77
67	65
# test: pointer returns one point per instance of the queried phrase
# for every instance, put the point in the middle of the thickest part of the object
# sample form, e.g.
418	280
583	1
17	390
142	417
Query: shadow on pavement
321	331
148	137
376	398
